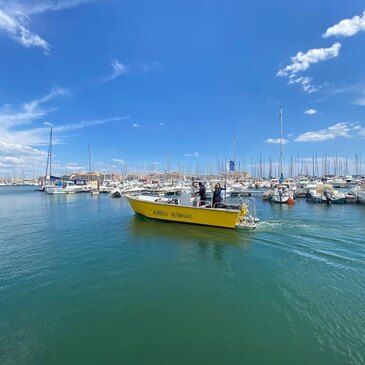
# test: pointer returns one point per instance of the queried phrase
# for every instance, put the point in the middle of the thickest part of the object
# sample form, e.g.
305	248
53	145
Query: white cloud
310	112
15	27
118	160
29	111
18	149
15	155
276	140
15	17
12	160
356	90
302	61
147	67
40	136
14	121
192	154
18	137
135	125
74	166
306	83
344	130
17	134
162	123
346	27
360	101
87	123
39	6
118	69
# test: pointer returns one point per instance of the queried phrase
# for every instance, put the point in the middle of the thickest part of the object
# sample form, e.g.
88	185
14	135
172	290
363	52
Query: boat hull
315	199
283	199
341	200
361	197
55	191
192	215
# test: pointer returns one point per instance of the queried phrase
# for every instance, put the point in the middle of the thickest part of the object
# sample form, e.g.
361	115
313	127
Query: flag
230	165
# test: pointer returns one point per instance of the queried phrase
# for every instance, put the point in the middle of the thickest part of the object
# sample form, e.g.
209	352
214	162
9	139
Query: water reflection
204	236
216	250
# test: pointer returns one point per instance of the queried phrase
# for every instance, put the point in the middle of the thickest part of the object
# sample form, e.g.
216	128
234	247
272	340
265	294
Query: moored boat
324	193
361	197
281	193
65	187
339	183
350	197
360	193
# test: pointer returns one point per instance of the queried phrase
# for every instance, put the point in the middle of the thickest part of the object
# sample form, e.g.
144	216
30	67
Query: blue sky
168	83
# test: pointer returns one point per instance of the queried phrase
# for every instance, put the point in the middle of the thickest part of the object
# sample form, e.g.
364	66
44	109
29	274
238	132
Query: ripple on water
329	311
77	257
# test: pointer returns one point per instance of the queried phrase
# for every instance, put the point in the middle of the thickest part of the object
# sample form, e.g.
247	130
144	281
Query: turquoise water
85	281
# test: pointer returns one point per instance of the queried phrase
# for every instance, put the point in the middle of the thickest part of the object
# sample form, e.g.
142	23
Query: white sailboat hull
361	197
282	199
55	190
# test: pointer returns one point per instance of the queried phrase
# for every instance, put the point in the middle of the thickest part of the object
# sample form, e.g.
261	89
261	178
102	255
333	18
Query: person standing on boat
217	194
202	193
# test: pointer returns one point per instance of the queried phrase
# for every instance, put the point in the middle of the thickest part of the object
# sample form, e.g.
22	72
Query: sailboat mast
50	153
281	142
89	159
234	148
49	162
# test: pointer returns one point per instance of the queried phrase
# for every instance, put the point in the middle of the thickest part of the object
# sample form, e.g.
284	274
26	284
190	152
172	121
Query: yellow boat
176	211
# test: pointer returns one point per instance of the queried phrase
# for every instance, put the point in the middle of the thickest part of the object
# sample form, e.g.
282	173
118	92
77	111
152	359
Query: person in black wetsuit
217	195
202	193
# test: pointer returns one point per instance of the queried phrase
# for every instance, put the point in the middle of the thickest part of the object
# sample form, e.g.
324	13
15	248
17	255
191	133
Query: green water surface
85	281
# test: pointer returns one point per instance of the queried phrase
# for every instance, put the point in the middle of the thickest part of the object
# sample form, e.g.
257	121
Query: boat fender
291	201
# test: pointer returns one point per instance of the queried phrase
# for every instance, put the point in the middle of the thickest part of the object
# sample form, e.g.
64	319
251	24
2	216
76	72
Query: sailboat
49	180
44	183
281	193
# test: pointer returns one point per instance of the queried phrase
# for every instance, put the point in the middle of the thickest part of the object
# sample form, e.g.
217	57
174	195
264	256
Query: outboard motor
328	196
281	194
115	193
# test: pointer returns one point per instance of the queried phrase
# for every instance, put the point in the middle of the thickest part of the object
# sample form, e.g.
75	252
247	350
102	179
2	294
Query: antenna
89	158
281	140
234	148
